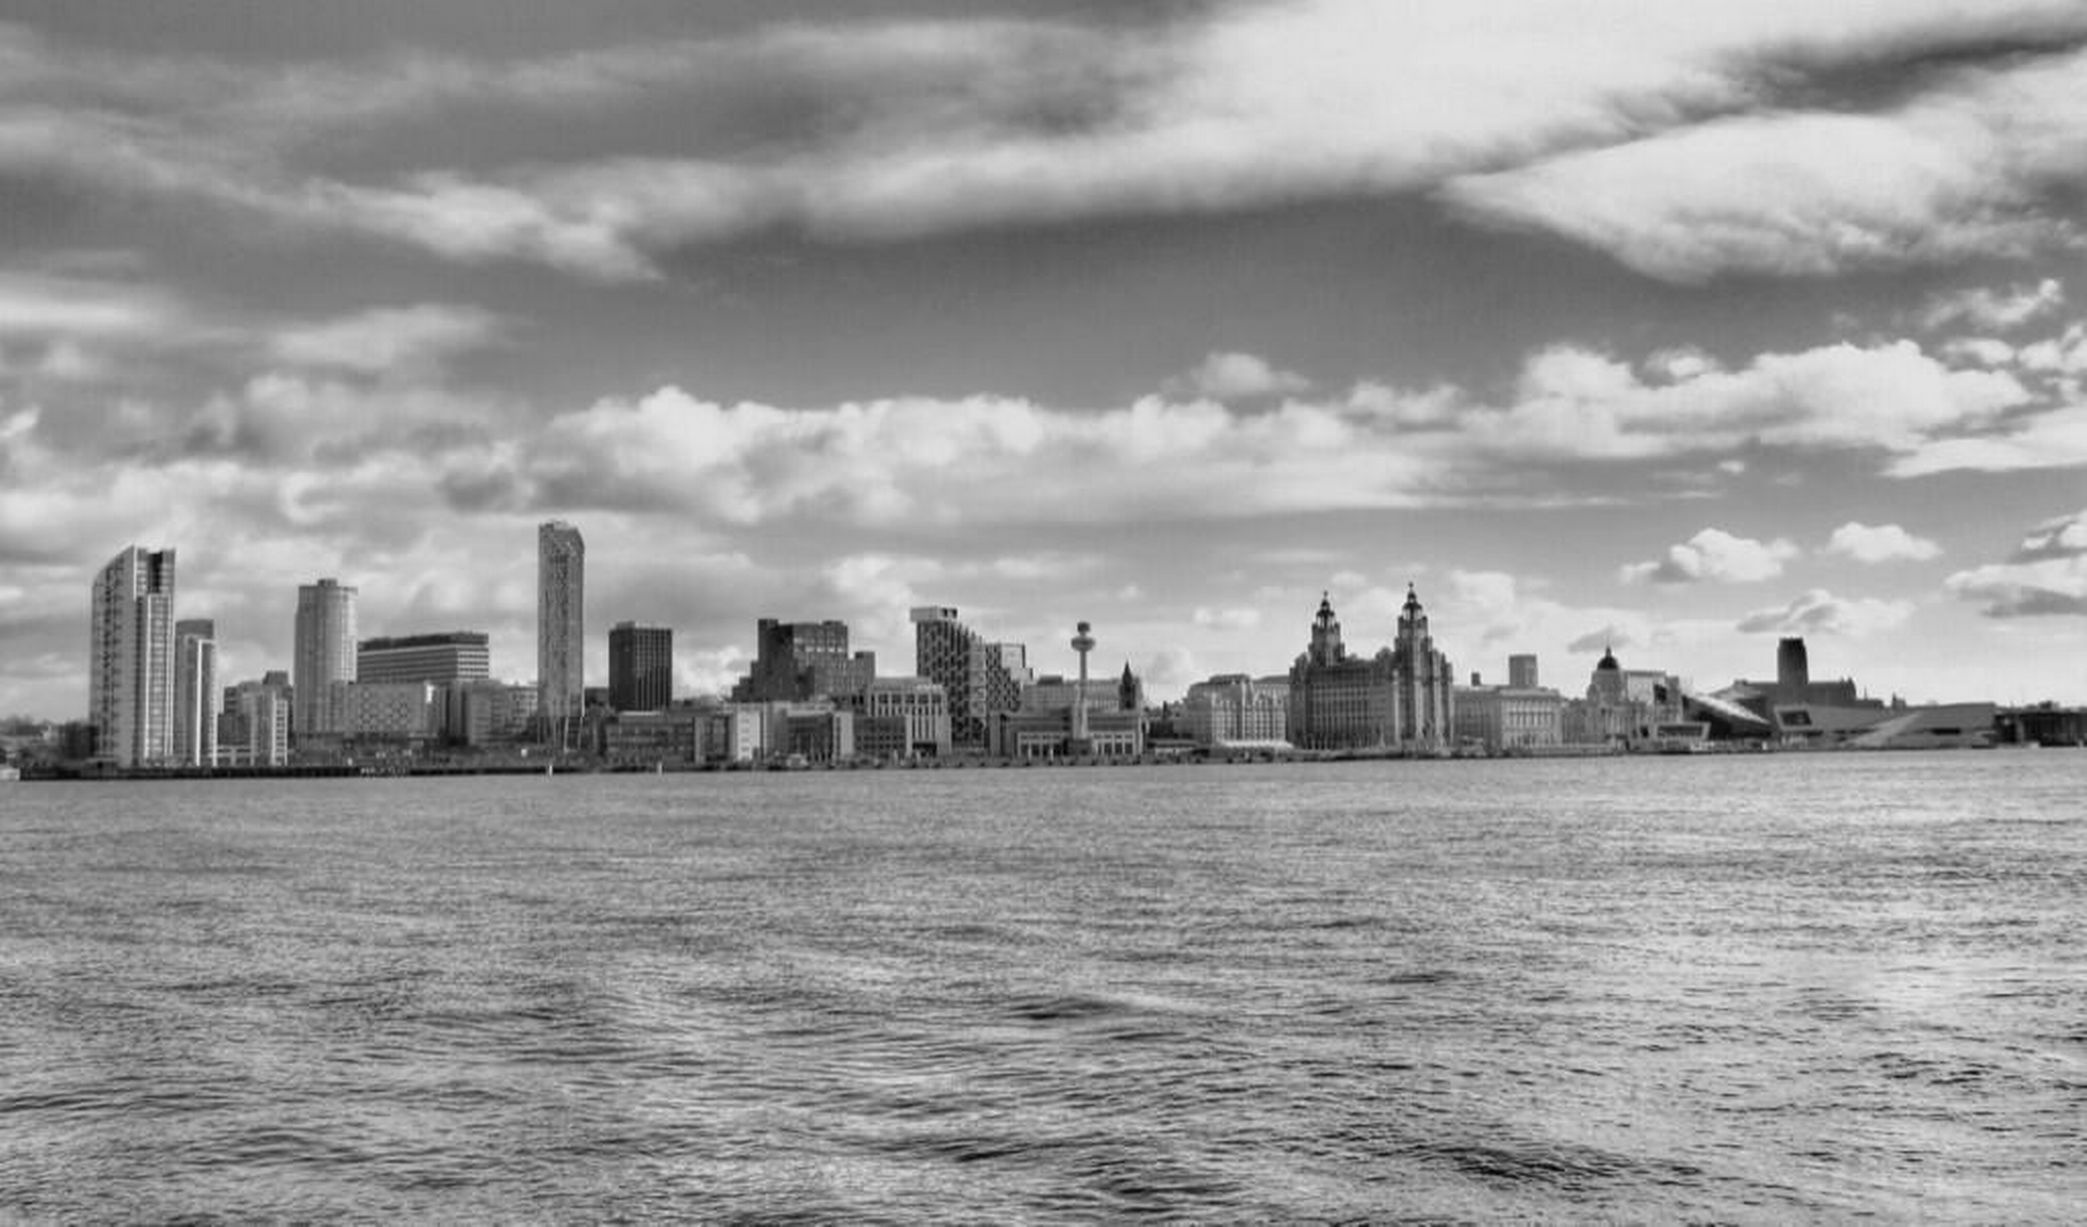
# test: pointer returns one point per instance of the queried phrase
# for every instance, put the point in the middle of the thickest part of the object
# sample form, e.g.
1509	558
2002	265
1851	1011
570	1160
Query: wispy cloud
1819	612
2045	576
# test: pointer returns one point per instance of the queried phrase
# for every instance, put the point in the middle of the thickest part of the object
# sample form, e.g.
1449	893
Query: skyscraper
561	565
130	658
323	653
641	667
195	692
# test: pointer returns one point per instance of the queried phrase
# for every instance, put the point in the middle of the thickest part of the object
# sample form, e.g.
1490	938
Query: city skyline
1720	326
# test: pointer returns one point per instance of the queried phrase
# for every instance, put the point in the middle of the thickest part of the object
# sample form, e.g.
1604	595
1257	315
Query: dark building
641	667
980	678
796	661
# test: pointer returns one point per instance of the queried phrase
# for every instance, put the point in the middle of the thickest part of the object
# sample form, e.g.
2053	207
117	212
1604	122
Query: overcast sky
1674	326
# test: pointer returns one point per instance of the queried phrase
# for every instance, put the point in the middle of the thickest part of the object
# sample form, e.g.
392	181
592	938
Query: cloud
388	339
2052	440
1715	555
894	129
41	306
1226	619
1819	612
1962	171
2045	576
1880	543
1235	376
1994	310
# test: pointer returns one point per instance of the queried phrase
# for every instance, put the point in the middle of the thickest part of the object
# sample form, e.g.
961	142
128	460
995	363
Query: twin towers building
1402	699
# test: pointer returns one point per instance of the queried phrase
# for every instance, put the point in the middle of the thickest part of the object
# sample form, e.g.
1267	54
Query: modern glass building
641	667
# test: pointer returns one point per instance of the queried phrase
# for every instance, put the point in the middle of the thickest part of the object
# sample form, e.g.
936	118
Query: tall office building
130	659
195	692
1521	671
561	642
641	667
323	653
445	659
979	678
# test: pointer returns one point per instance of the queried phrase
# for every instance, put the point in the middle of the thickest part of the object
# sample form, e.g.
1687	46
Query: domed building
1627	706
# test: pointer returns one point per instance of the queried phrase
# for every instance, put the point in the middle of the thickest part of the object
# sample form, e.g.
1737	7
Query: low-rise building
1234	709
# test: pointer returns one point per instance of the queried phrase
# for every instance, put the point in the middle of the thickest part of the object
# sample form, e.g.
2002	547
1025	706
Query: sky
1672	328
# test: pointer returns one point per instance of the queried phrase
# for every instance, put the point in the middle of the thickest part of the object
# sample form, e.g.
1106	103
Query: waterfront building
1234	710
1628	707
1399	699
1509	719
255	728
979	677
561	640
486	713
130	659
641	667
1084	720
387	711
654	737
324	655
903	717
195	692
448	658
796	661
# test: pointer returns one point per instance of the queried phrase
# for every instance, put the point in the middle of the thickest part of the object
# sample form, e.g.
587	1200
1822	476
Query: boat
10	774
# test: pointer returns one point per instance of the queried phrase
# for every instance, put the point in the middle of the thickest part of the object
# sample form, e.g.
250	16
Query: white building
195	692
1233	709
130	659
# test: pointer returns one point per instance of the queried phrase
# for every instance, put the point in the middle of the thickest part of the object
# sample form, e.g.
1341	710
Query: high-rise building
641	667
795	661
445	659
561	640
323	653
979	678
130	659
1521	671
195	692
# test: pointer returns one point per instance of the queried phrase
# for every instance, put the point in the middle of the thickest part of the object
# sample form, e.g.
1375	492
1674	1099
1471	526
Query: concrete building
641	667
1509	719
1630	707
388	711
980	678
130	659
255	727
904	717
654	737
1400	699
488	713
195	692
1521	672
1232	709
446	659
561	632
323	654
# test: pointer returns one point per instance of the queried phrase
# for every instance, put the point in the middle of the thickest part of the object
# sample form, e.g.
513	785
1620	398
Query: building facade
323	654
561	632
446	659
255	728
1509	719
195	692
979	677
1234	709
130	659
798	661
920	710
641	667
1402	698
